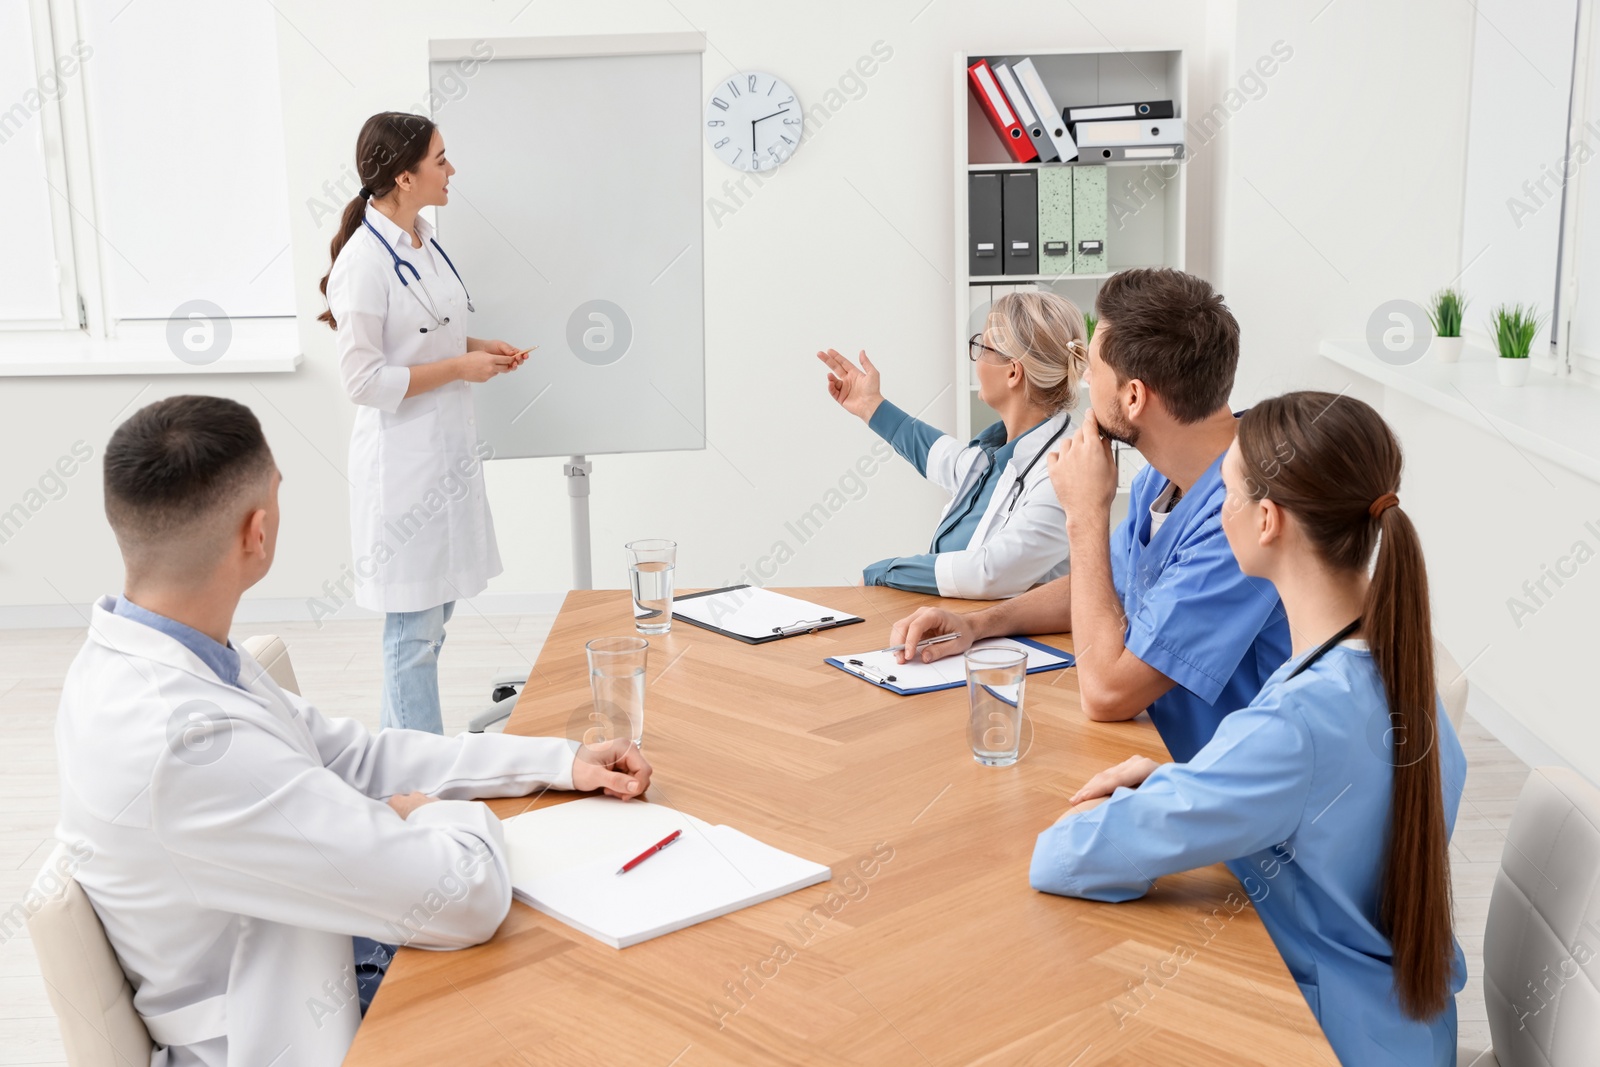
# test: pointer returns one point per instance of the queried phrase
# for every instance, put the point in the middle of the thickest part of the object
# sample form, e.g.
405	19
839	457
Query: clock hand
774	115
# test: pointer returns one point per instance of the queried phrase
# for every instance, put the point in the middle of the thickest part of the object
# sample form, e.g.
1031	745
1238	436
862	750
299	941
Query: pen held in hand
923	644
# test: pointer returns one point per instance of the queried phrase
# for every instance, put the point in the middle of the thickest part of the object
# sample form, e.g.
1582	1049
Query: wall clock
753	121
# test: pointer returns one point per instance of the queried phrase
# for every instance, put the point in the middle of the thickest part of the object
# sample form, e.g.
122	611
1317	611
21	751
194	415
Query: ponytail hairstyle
1044	332
390	143
1333	463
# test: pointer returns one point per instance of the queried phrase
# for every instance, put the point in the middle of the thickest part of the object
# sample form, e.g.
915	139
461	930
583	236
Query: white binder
1055	127
1030	122
1120	132
1123	152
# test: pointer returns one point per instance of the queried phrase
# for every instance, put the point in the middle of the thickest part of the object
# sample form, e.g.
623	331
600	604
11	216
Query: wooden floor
339	668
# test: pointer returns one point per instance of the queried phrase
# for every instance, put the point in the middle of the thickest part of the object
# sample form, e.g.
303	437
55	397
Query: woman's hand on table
1131	772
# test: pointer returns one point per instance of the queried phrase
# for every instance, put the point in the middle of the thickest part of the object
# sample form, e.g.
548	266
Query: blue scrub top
1192	614
1294	793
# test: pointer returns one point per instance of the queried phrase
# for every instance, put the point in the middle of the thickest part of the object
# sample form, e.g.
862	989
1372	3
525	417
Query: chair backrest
1452	683
1541	947
91	996
270	651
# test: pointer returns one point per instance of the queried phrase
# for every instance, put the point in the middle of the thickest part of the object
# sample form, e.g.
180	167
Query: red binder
981	79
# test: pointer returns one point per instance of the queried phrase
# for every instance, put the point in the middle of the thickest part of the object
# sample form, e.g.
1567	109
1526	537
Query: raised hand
855	388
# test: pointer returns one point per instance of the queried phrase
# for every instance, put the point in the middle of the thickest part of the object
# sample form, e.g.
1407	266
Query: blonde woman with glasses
1003	531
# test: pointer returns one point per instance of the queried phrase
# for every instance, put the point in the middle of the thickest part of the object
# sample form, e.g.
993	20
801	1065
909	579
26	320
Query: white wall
1345	179
1315	241
847	246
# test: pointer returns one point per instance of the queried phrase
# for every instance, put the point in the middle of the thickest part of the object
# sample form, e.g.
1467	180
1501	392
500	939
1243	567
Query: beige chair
1452	683
91	996
1541	947
270	651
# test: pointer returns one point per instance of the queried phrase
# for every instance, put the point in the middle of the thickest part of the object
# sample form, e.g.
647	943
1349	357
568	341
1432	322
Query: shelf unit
1146	211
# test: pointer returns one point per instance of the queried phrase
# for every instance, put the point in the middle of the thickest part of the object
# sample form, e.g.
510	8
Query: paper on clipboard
880	668
752	612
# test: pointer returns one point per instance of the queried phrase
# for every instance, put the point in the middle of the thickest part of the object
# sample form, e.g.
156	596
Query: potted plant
1513	327
1444	311
1089	319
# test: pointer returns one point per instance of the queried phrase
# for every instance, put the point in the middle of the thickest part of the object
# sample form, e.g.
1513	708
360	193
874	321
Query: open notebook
564	862
909	679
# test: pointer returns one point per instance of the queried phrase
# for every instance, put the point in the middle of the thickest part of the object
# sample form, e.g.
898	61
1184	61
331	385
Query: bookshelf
1146	201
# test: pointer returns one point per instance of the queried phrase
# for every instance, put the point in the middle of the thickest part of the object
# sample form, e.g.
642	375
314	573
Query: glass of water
650	565
996	676
616	681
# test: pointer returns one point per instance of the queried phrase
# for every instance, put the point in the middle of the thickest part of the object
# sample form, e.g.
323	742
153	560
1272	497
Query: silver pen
923	644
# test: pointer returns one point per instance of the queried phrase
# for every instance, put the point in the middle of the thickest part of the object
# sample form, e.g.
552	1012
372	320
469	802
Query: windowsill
1552	417
257	346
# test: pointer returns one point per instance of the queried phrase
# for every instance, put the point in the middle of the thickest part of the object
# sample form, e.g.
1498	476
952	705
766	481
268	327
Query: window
142	163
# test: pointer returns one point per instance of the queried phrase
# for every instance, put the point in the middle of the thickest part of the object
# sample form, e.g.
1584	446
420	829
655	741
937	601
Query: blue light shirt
913	439
1294	793
222	659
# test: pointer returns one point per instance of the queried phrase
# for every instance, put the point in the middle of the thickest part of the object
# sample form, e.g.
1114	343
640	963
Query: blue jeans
372	963
411	643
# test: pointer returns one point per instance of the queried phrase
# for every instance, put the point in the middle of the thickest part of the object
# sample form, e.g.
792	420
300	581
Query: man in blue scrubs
1161	616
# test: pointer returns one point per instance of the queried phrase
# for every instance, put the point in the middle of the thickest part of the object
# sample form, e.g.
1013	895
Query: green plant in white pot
1513	327
1445	310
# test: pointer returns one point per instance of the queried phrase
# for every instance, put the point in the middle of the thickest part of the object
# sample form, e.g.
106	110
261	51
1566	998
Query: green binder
1055	220
1088	220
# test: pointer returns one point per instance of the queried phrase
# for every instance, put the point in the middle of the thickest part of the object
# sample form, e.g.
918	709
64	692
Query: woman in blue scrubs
1003	531
1332	795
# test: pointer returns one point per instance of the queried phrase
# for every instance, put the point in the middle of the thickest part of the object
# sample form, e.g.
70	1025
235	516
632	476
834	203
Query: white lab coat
1012	549
420	528
231	865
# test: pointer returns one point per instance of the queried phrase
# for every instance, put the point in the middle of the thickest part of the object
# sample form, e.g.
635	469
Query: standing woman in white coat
419	516
1003	531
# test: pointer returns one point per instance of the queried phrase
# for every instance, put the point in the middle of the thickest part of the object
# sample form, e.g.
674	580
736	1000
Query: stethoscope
1016	486
429	307
1324	648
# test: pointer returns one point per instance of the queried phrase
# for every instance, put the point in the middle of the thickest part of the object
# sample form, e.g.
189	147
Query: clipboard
803	617
951	672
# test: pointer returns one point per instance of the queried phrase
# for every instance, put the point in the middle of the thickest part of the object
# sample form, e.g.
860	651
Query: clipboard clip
869	672
804	626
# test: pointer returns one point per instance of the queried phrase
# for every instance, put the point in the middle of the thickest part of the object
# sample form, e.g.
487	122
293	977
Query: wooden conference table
928	947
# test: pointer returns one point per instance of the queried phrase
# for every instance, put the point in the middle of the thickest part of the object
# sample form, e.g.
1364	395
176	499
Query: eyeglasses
976	348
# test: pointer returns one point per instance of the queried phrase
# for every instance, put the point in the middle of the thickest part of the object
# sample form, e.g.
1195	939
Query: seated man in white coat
238	838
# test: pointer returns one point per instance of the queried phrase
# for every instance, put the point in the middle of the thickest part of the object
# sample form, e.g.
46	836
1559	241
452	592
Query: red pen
651	851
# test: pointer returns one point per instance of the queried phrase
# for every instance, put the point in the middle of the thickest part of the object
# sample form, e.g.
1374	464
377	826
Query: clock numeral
715	122
786	139
718	101
788	101
722	142
733	87
737	154
753	83
791	122
773	86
